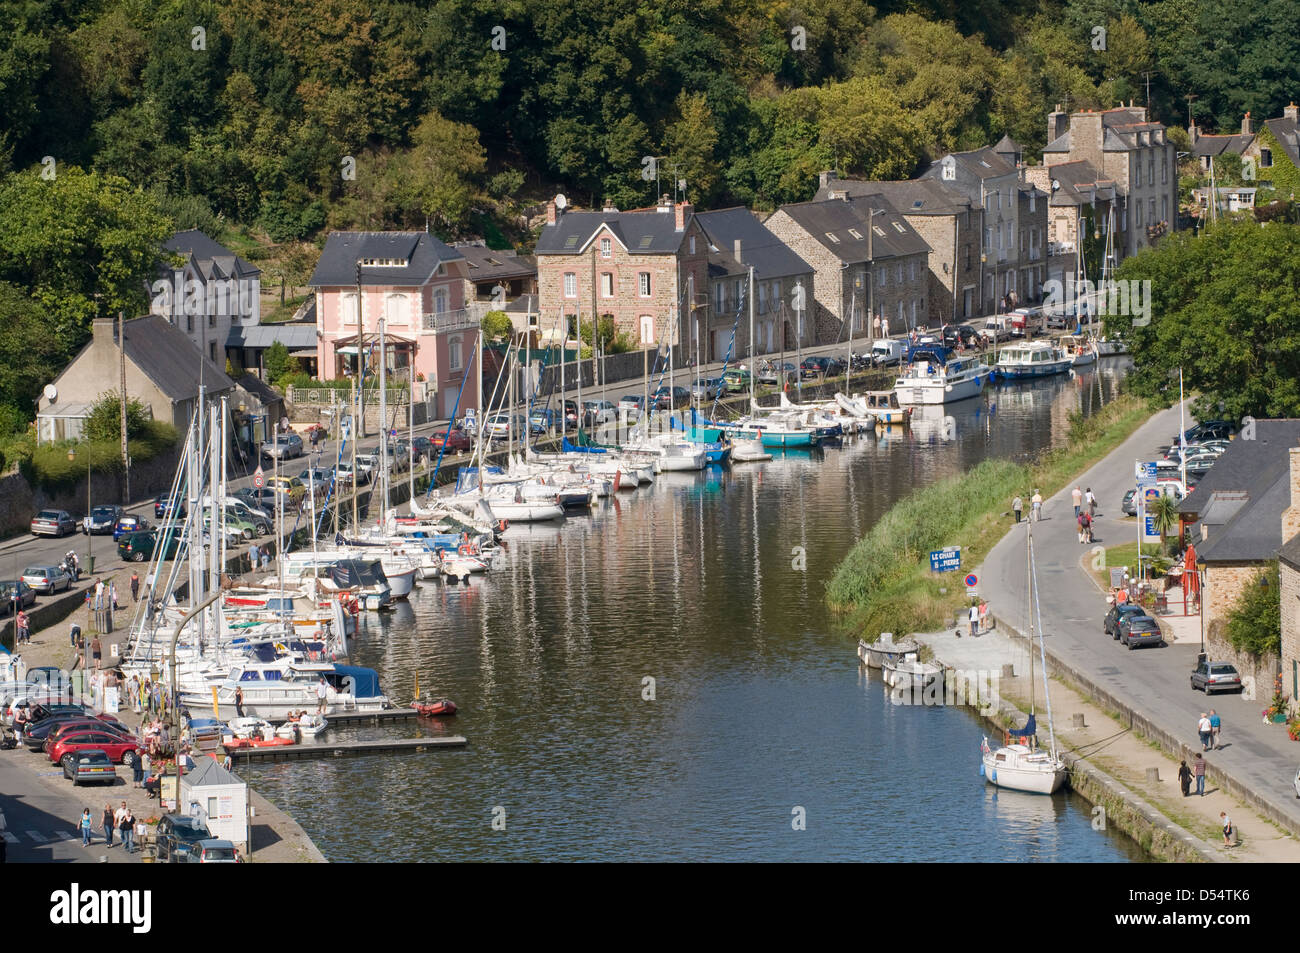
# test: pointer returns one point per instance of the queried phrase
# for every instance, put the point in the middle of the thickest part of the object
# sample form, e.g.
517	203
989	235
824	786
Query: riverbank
885	583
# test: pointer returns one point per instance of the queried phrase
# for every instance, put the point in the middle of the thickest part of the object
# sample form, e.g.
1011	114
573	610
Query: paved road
1153	681
41	821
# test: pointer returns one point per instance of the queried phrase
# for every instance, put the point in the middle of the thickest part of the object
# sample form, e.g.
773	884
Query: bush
1254	625
48	465
497	324
105	420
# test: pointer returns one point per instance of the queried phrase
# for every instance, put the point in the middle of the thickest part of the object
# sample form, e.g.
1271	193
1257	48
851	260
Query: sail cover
1030	729
352	573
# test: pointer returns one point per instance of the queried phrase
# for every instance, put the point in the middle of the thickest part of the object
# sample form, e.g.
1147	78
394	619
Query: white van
997	328
886	351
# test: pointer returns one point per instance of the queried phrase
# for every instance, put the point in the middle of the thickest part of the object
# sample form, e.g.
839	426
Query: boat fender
981	769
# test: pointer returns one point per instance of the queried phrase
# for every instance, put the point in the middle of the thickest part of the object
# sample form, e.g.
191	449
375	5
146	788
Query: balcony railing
1060	248
445	321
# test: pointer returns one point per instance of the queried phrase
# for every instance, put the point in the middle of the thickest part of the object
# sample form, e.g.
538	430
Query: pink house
415	284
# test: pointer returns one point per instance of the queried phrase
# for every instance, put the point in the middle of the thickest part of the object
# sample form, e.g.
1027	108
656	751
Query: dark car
53	523
137	547
178	836
127	524
456	441
15	593
101	520
165	506
541	420
423	448
1135	630
259	499
91	766
671	398
959	335
571	414
38	733
1211	677
1111	624
1208	430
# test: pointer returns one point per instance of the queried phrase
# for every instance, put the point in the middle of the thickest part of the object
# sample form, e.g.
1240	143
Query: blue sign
1145	472
1149	531
945	560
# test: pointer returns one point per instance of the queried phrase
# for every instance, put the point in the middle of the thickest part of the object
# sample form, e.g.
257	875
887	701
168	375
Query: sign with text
1145	472
1149	532
945	560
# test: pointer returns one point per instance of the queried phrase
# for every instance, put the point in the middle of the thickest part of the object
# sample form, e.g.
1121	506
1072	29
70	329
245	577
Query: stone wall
1224	584
1290	631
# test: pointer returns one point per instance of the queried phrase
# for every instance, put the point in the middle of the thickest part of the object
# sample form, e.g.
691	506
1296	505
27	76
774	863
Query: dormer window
384	262
606	248
855	233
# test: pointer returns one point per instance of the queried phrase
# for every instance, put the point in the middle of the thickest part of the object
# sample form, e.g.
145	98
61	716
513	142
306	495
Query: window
643	283
1151	216
776	294
212	807
606	284
570	284
189	323
719	297
1151	170
911	269
606	248
348	309
900	272
1032	202
212	320
1266	158
988	238
439	300
398	309
762	297
692	244
1137	172
1164	208
883	276
1164	169
453	353
831	236
1137	210
898	227
212	354
855	233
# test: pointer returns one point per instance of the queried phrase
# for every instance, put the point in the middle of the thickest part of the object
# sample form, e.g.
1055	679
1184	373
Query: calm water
758	708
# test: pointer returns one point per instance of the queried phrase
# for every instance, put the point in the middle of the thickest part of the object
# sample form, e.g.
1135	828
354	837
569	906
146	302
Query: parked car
284	447
571	414
137	547
101	520
344	475
671	398
213	851
1135	630
959	335
260	519
500	427
598	413
47	580
123	750
541	420
997	328
707	388
258	499
1026	322
88	723
886	351
736	380
126	523
53	523
1207	430
632	405
91	766
290	487
1211	677
178	835
318	477
456	441
165	506
774	373
17	593
1110	625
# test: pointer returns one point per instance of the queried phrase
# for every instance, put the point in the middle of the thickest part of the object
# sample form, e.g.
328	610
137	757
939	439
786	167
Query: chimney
1291	515
826	178
609	206
736	250
680	211
1292	113
1192	132
103	332
1057	123
1245	124
551	218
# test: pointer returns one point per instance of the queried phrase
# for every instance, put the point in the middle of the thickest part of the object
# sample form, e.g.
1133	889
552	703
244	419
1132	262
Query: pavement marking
37	836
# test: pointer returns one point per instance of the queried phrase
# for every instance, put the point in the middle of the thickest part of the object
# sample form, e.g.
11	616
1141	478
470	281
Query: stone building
1078	206
866	260
206	291
1274	150
647	269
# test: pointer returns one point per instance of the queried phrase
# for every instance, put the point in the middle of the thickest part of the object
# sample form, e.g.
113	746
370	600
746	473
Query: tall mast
564	340
383	424
1042	650
752	369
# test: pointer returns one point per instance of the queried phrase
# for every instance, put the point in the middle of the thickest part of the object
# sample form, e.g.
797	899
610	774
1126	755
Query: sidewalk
1148	687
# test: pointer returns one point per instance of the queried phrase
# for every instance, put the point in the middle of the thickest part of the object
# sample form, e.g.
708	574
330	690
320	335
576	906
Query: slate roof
295	335
1078	181
1287	133
208	771
422	252
167	356
1119	131
768	255
211	258
909	197
650	231
1254	532
488	264
1217	145
1290	553
1246	463
895	238
982	163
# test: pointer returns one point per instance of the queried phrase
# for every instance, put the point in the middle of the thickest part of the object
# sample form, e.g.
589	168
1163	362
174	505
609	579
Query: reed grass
885	584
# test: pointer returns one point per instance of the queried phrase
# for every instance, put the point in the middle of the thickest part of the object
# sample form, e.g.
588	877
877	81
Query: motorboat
1110	348
442	708
749	451
1032	359
1082	350
302	725
909	673
884	406
875	654
934	374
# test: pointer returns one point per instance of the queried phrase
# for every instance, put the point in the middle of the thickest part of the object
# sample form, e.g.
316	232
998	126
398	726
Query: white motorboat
875	654
909	673
305	724
933	374
884	405
1032	359
1109	348
749	451
1082	350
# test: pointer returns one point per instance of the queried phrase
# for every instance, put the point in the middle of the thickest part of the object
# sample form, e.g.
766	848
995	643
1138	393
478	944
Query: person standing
1078	518
1185	778
23	633
1017	505
974	616
884	326
107	825
1198	771
1216	724
1226	821
135	586
239	701
1076	497
266	559
1087	526
126	827
1036	503
1203	729
86	823
95	651
1091	501
112	594
320	695
252	557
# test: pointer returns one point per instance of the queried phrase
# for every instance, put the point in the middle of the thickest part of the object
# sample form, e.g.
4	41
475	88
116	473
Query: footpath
1139	706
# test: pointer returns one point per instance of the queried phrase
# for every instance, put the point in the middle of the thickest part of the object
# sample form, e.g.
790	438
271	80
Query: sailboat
1021	765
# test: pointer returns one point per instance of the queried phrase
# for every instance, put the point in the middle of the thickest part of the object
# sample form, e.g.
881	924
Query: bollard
1078	720
1153	775
1008	671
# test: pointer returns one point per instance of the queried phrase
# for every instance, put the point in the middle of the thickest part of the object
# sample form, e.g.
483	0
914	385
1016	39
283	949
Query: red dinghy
256	743
441	708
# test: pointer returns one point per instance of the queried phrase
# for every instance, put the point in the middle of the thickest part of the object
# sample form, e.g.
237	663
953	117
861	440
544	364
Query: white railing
1060	248
445	321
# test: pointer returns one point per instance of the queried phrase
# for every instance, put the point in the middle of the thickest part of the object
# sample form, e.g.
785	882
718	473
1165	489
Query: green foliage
105	420
279	365
30	357
1226	309
1254	624
1282	173
497	325
48	465
1164	515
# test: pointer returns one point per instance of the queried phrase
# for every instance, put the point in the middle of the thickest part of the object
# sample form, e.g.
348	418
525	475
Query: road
40	822
1153	681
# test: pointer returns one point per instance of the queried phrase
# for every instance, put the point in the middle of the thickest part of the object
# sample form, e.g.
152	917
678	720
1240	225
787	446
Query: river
660	681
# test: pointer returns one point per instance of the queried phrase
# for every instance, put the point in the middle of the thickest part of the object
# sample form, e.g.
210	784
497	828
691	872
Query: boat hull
1013	372
1023	770
937	392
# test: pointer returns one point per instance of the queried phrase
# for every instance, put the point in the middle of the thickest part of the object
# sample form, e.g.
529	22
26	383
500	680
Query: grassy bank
884	584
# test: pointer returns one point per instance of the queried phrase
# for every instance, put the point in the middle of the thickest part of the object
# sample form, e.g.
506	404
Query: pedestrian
137	769
1036	504
1226	821
320	695
1185	778
74	636
1091	501
95	650
266	559
1076	497
984	616
126	825
1017	505
1203	729
974	616
86	823
252	557
239	701
1078	518
107	825
876	324
884	326
1198	771
1087	526
135	586
99	594
1216	725
112	594
23	628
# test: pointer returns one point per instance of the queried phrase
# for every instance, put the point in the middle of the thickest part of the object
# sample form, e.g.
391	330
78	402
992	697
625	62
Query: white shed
219	799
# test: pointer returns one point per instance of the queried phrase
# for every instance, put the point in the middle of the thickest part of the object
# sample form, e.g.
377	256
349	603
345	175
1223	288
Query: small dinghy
306	724
442	708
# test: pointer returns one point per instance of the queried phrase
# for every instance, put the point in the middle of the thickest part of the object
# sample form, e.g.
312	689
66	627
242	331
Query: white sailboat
1022	765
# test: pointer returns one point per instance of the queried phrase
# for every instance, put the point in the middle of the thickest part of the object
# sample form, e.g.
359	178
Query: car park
706	388
177	835
53	523
284	447
102	520
1135	630
47	580
15	594
1211	677
137	547
89	723
42	730
1110	625
165	506
90	767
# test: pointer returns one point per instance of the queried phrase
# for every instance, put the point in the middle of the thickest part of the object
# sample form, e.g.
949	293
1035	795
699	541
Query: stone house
1134	153
1076	197
647	269
1274	149
737	243
948	222
867	261
209	294
163	371
494	278
416	284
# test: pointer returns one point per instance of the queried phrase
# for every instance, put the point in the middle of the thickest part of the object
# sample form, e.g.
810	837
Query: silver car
286	445
47	579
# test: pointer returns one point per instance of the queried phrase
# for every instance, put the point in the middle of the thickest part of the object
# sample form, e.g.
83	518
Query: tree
278	363
105	420
1254	624
497	325
1164	514
437	177
690	142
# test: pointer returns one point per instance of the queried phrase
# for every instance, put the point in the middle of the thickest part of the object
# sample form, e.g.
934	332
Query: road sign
972	580
1149	532
259	478
972	591
1150	494
1145	472
945	560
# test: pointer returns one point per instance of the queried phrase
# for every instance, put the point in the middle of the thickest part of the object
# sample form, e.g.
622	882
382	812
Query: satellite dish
1055	185
51	392
561	202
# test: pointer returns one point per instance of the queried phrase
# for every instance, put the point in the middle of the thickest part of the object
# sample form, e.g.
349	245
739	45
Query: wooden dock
339	719
349	749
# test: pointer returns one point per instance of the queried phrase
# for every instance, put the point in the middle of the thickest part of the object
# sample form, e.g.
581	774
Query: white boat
1110	348
1082	350
308	725
875	654
885	407
1019	764
933	374
1032	359
749	451
909	673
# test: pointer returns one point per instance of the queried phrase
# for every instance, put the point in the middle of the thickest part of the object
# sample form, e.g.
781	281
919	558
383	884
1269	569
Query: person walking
252	557
107	825
1076	497
1198	771
1185	778
112	594
135	587
1216	725
1036	503
1203	728
266	559
1017	505
126	828
96	649
1228	832
86	823
321	689
884	327
974	616
23	628
1091	501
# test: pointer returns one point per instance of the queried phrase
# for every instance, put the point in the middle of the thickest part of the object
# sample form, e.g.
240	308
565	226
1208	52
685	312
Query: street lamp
90	537
1200	570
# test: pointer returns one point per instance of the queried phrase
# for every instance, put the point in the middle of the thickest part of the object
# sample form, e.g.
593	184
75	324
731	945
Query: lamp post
1200	572
90	537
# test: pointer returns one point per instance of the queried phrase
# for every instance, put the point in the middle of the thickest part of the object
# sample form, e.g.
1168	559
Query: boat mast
752	367
848	365
1042	649
383	424
217	535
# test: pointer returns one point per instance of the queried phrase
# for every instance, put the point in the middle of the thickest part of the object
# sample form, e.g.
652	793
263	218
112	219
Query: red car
124	751
457	440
